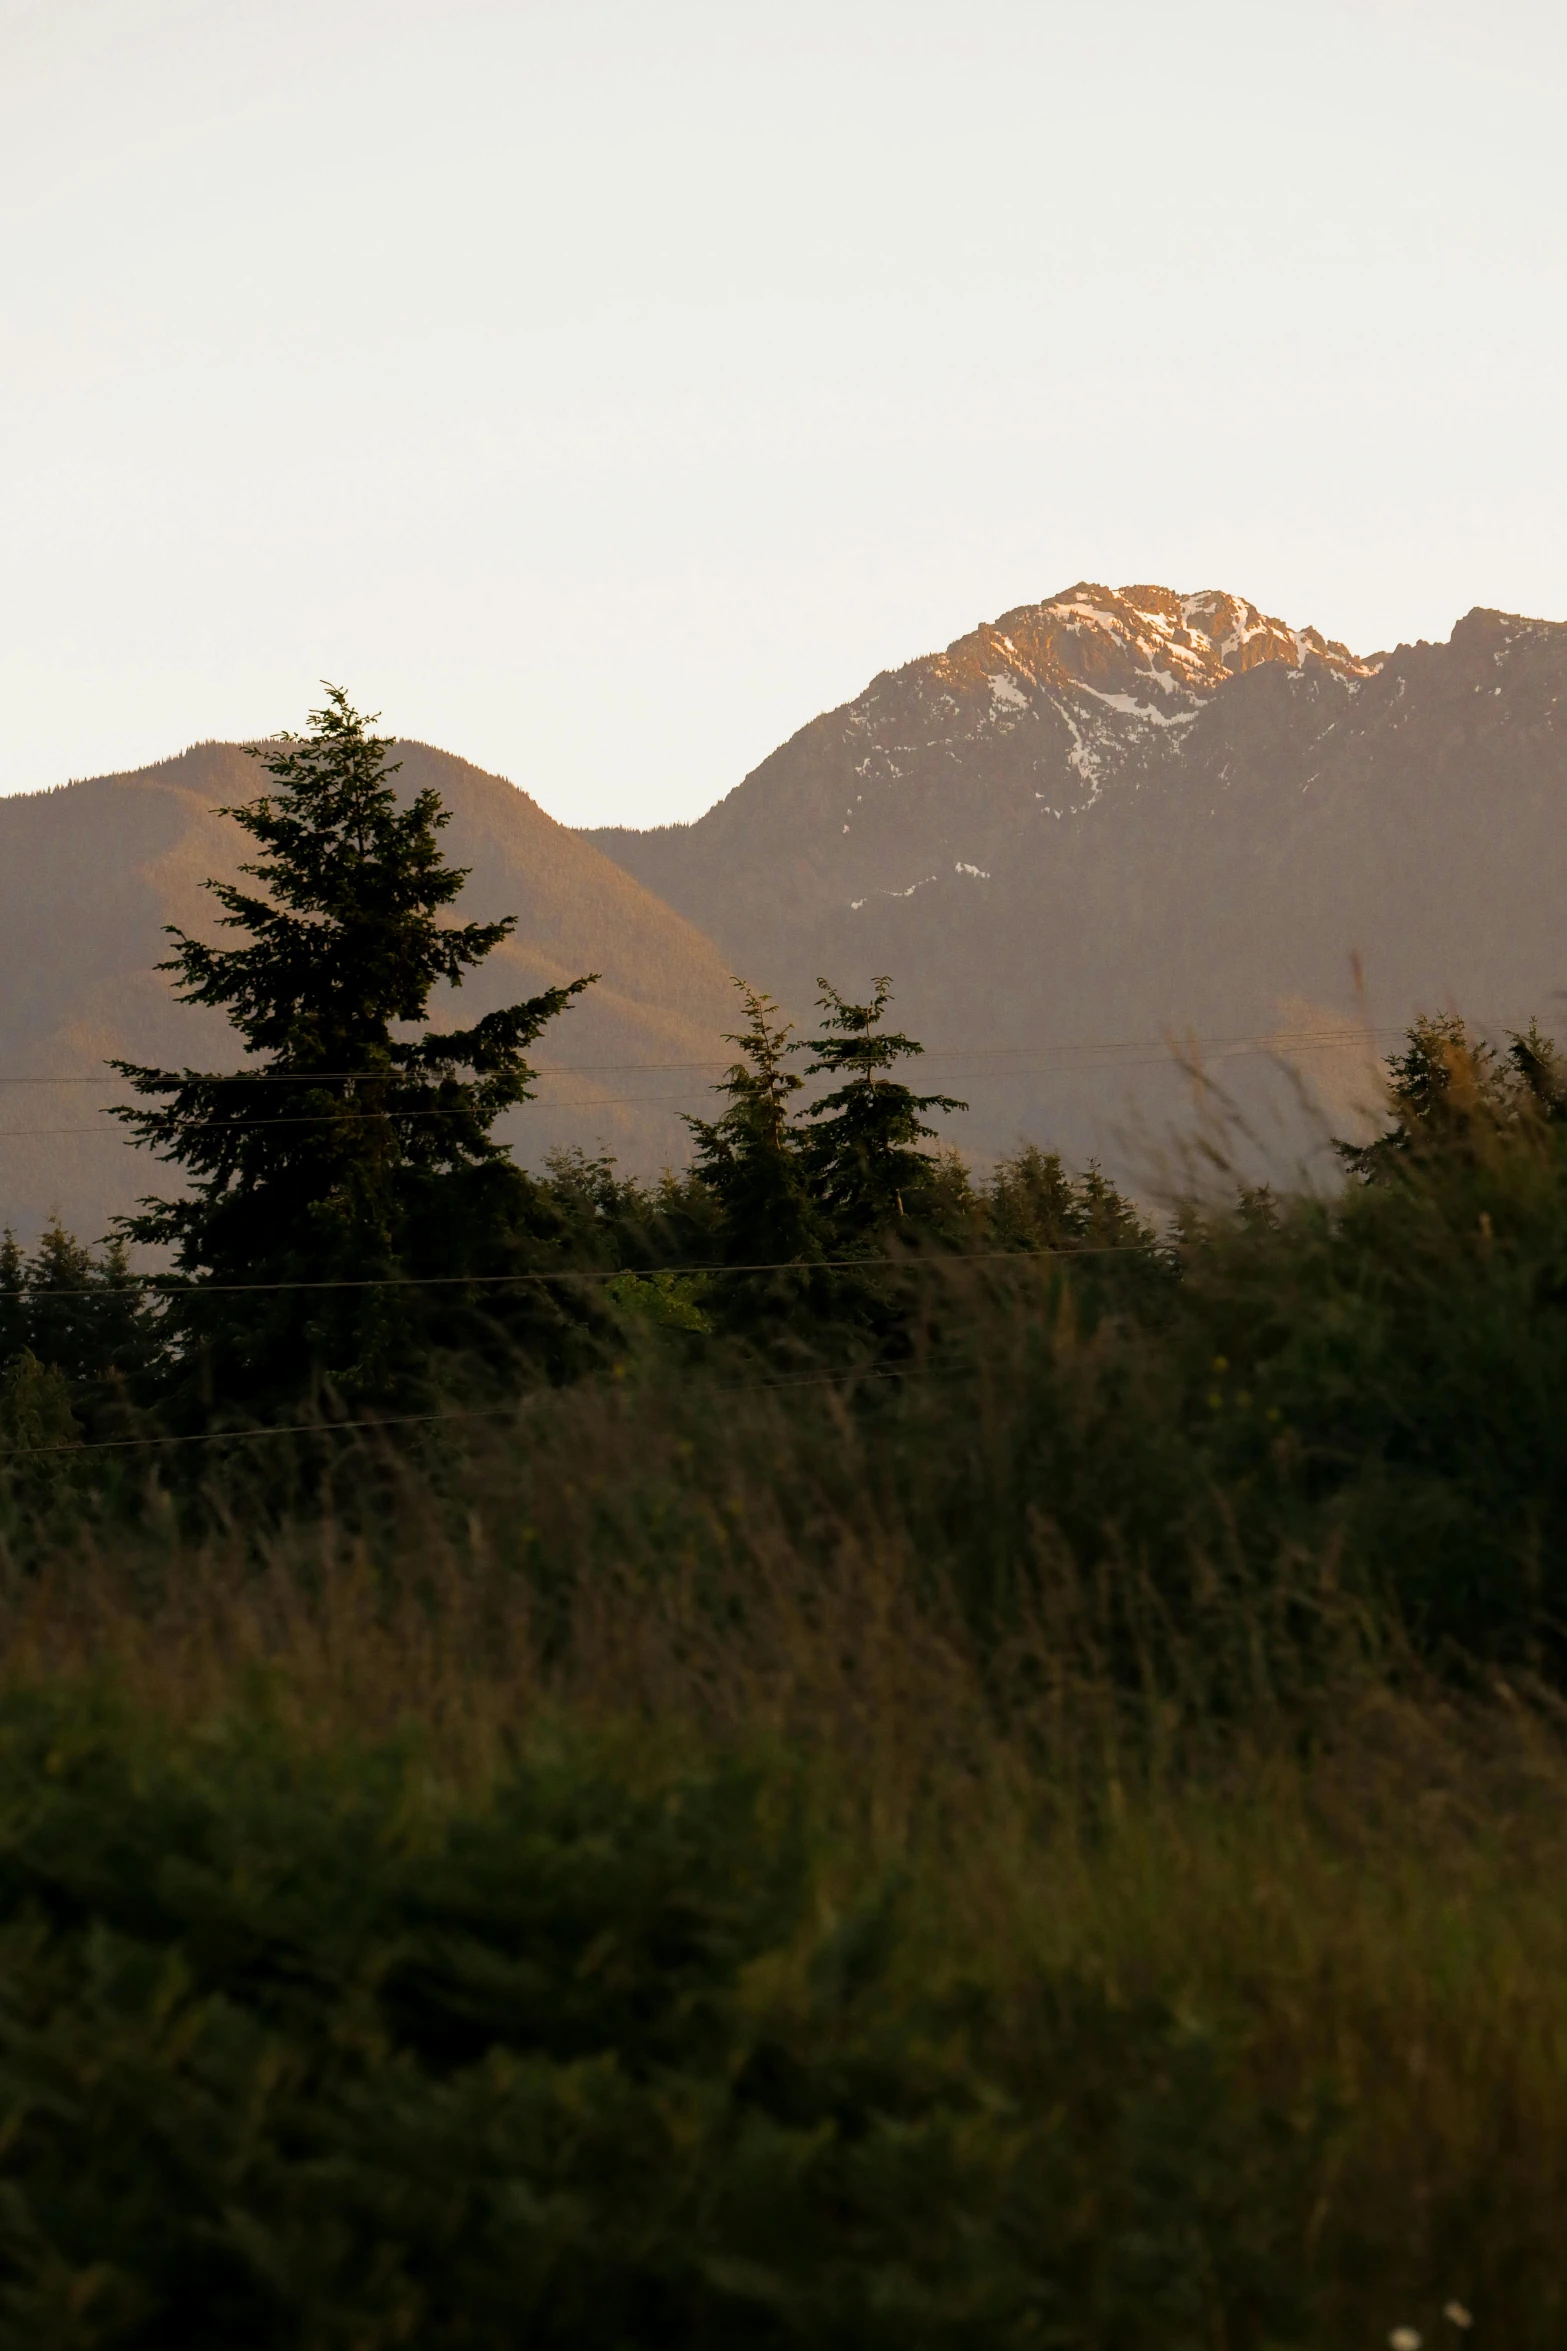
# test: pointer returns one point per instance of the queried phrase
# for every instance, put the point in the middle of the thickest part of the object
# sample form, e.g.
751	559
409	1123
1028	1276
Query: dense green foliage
295	2055
83	1315
1050	2019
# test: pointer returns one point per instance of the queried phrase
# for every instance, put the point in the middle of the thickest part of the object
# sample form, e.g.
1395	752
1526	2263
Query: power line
1273	1041
300	1428
168	1285
1123	1058
400	1420
320	1118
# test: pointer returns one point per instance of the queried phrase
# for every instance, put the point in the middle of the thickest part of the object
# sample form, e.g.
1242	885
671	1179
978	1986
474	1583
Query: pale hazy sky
602	388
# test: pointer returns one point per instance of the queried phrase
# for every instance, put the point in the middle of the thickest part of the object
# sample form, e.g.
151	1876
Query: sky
601	389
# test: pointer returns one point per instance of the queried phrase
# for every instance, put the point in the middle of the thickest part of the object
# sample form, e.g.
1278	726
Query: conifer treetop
346	939
853	1045
866	1168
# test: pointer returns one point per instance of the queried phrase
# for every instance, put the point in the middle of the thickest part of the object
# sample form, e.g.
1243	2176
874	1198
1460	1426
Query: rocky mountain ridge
1033	715
1146	656
1119	814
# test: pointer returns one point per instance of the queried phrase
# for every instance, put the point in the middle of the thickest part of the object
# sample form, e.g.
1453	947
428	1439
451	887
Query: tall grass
1028	1851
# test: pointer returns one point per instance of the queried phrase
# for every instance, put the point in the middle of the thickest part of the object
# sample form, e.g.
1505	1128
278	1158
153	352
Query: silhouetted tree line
349	1226
351	1234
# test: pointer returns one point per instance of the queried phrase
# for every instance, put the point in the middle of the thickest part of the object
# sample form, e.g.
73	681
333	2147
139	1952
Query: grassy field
705	1861
1055	1838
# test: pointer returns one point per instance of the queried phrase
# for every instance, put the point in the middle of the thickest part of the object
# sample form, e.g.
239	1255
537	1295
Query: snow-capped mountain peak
1152	643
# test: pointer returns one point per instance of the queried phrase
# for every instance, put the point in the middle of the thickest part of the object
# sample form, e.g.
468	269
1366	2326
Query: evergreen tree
349	1154
1448	1092
13	1298
750	1171
40	1436
867	1174
1106	1219
1537	1061
749	1159
88	1316
84	1317
601	1219
1032	1203
35	1416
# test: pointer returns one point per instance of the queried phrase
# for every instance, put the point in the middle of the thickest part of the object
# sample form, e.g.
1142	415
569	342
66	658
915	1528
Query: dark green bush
294	2050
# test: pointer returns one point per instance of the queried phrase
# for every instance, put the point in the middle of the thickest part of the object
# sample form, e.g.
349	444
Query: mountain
1105	821
1121	816
90	873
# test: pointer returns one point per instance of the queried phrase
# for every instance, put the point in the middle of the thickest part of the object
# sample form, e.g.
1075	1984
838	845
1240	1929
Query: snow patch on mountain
1129	706
1095	689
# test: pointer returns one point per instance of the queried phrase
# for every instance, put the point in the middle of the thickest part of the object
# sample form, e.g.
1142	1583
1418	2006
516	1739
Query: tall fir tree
868	1176
350	1156
749	1159
749	1166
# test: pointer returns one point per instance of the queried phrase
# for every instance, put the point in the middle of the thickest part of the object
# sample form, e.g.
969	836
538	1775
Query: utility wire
1272	1042
299	1428
403	1420
321	1118
169	1285
1236	1050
